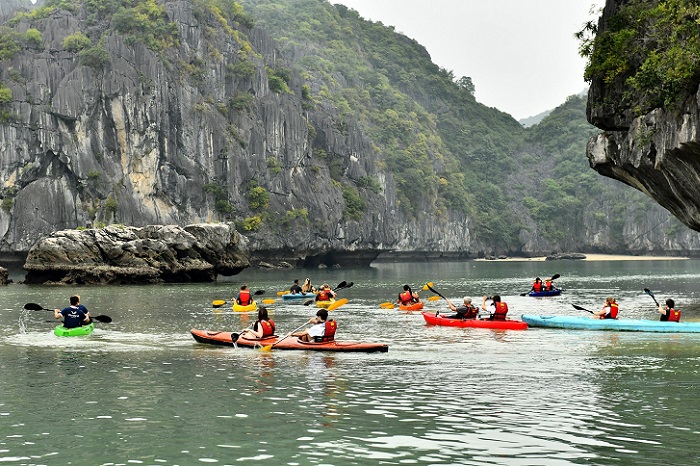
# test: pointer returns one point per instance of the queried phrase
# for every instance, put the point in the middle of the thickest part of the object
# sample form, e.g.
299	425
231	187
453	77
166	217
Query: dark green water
140	390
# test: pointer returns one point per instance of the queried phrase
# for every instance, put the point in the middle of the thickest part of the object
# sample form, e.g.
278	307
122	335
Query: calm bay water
140	390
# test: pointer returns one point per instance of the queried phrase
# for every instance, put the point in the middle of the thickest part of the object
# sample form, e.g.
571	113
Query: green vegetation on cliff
652	47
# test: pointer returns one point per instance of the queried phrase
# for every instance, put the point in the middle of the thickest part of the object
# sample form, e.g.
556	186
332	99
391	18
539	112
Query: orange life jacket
329	333
612	314
500	312
268	327
548	285
406	297
244	297
674	315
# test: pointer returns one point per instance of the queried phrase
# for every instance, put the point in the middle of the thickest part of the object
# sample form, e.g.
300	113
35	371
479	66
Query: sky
521	54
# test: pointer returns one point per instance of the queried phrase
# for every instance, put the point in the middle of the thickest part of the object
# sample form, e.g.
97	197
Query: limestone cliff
652	148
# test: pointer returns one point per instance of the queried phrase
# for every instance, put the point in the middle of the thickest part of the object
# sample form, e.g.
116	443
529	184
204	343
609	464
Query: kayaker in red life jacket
669	313
609	311
263	327
466	311
537	285
244	298
408	296
325	293
548	284
321	330
501	309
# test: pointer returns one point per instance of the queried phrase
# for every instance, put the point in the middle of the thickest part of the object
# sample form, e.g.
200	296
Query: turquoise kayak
61	331
621	325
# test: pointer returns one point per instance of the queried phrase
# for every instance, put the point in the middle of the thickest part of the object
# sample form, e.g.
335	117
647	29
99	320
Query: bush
5	94
33	39
94	57
258	197
76	42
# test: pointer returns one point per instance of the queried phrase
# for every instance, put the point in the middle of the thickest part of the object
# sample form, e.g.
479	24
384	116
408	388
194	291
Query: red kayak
432	319
411	307
289	343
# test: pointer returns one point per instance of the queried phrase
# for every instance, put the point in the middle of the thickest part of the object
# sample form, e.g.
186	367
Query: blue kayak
622	325
299	296
554	292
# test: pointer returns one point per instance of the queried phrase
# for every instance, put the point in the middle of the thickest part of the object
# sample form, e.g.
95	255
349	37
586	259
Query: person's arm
483	304
57	313
452	306
662	310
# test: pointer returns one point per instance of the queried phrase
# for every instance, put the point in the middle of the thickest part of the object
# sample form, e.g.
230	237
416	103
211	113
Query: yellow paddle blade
266	348
425	287
434	298
218	302
268	301
280	293
337	304
387	305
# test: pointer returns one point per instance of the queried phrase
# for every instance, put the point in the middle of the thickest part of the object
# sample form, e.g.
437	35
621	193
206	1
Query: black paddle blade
259	292
35	307
308	302
342	284
581	308
235	336
648	291
102	318
555	276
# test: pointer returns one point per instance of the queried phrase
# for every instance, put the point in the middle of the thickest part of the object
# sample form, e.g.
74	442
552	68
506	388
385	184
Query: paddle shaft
582	309
648	291
269	347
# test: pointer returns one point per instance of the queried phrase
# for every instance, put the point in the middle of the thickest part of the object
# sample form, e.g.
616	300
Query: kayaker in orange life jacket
548	284
263	327
244	298
501	309
325	293
466	311
669	313
609	311
408	296
322	329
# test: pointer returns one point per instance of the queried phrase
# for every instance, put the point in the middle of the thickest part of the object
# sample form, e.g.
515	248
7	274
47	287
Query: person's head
325	286
262	313
296	281
307	281
670	303
496	298
244	287
609	300
467	300
538	279
74	300
323	314
406	288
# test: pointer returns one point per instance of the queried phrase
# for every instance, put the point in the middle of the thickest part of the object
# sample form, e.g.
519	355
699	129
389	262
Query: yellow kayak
324	304
250	307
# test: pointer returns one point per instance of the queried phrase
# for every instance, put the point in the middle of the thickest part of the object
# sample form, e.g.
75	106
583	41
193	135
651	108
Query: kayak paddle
337	304
269	347
581	308
388	305
218	302
648	291
39	307
430	287
268	301
236	335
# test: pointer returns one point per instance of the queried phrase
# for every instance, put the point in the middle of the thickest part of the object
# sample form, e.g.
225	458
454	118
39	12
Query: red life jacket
244	297
329	333
537	286
500	312
324	295
548	285
406	297
612	314
268	327
674	315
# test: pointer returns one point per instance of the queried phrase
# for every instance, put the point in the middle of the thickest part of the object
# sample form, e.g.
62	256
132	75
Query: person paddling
609	311
73	316
501	308
408	296
669	313
466	311
322	329
263	327
295	288
325	293
244	298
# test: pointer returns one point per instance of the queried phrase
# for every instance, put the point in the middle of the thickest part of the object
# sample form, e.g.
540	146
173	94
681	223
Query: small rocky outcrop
4	276
131	255
566	256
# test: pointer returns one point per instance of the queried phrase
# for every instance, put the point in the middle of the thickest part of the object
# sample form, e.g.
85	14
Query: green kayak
61	331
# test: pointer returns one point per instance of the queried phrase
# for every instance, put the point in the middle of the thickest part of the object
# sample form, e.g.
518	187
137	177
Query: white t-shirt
317	330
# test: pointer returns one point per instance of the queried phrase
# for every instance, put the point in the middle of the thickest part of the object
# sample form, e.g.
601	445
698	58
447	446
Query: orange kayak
432	319
411	307
289	343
